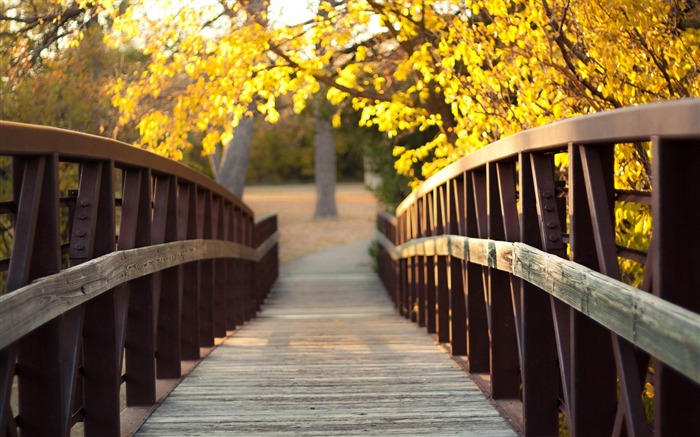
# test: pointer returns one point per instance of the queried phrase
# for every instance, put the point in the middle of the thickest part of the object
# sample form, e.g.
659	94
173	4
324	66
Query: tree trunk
232	166
324	165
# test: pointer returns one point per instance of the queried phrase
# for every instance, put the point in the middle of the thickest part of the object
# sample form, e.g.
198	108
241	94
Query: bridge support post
134	232
539	351
45	402
168	282
105	316
676	277
187	230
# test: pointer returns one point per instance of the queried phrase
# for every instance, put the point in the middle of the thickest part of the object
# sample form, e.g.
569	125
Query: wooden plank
666	331
31	306
327	356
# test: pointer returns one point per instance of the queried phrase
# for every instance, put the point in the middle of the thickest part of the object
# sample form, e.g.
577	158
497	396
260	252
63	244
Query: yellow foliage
471	71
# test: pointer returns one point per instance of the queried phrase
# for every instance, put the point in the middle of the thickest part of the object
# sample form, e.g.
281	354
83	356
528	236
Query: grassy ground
300	233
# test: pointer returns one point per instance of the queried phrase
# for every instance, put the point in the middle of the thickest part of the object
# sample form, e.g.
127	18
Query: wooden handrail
29	307
139	260
517	266
665	330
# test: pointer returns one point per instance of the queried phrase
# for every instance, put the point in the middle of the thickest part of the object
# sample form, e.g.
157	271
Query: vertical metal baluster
442	275
419	268
44	401
104	321
539	370
135	231
458	309
477	315
229	230
411	295
676	276
187	230
219	270
206	296
169	298
248	228
241	300
430	269
505	172
404	309
543	187
593	389
601	208
505	378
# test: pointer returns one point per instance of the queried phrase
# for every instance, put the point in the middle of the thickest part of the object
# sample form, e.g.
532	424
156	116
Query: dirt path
300	233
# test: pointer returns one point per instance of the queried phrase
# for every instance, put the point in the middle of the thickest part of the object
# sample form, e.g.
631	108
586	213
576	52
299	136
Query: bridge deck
327	356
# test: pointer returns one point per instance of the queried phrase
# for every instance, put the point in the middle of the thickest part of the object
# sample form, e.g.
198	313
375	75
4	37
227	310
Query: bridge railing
124	269
513	256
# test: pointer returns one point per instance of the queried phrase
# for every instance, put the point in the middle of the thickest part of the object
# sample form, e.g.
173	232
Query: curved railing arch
142	263
499	254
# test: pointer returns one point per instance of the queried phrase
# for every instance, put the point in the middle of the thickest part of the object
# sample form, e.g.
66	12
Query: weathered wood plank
665	330
327	356
29	307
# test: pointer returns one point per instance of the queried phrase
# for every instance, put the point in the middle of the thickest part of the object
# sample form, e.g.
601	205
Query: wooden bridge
126	270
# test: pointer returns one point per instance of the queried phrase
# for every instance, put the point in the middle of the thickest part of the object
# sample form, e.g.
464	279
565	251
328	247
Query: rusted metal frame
538	372
458	308
248	226
399	263
245	275
258	268
420	263
60	337
415	295
506	175
442	296
505	378
429	290
104	323
241	301
26	139
206	291
229	235
259	289
263	267
390	264
219	270
631	254
187	230
135	230
635	123
267	267
404	309
593	397
477	316
676	277
44	380
601	207
169	294
633	196
396	280
550	231
411	295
